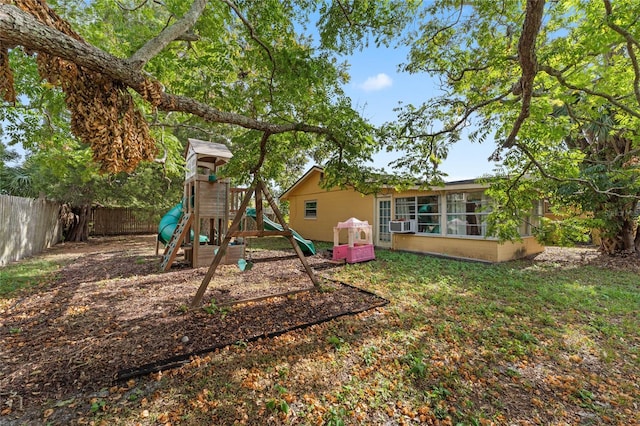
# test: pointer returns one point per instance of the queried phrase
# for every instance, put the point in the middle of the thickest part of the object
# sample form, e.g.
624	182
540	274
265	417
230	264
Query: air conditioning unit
402	226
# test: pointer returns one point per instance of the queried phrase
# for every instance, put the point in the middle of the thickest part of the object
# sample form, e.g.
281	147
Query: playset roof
219	152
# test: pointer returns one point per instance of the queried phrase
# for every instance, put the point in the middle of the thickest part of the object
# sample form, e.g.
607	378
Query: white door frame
385	217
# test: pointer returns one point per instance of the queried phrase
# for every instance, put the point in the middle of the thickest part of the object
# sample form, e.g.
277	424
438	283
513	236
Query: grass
460	344
464	324
17	277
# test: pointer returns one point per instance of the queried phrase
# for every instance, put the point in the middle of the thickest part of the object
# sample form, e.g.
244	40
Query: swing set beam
262	234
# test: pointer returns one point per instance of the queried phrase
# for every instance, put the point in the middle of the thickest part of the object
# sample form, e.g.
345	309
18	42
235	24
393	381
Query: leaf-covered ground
552	340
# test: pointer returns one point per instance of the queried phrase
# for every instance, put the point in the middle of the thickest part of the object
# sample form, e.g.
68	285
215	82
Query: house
446	221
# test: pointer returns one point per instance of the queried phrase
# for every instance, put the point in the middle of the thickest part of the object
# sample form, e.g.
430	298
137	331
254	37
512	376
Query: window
310	209
405	208
467	212
424	209
429	214
532	221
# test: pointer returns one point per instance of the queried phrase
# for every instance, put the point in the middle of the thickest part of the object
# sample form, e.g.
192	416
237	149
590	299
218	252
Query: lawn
460	343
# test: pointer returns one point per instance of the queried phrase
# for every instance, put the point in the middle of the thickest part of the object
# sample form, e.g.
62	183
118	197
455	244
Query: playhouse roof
217	151
353	223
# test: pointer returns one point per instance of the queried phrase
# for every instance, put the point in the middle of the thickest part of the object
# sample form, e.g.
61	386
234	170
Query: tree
506	69
239	65
610	159
132	80
59	167
6	172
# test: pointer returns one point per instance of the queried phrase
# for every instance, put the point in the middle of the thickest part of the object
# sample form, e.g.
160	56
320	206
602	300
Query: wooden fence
123	221
27	227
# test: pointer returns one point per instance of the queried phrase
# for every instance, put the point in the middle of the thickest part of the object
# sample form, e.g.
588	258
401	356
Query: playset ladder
171	250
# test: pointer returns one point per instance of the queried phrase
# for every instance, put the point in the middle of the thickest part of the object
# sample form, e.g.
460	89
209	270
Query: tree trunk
625	242
626	233
79	228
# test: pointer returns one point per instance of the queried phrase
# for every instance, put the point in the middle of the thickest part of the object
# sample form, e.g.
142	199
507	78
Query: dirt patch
110	311
587	255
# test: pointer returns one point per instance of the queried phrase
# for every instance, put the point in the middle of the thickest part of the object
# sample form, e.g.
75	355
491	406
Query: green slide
169	222
306	246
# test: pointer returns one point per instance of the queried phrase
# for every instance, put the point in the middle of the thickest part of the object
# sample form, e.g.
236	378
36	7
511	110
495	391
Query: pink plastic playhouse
360	246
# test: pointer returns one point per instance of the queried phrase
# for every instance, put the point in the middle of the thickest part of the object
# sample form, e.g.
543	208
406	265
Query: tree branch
631	42
467	113
131	9
515	181
624	33
615	102
20	28
589	183
462	72
345	13
528	63
254	36
167	35
263	153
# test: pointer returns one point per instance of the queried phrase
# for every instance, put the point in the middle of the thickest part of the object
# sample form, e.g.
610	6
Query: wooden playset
200	224
205	209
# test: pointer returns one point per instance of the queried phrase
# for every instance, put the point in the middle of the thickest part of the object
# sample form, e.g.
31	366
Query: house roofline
285	194
457	184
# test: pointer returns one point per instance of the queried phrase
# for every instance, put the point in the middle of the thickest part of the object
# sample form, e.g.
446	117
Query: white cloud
378	82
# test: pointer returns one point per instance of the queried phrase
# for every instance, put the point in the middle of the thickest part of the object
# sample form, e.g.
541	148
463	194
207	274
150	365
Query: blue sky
377	87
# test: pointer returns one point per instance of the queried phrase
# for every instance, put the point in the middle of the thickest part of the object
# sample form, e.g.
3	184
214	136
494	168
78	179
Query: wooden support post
259	217
235	225
196	222
260	185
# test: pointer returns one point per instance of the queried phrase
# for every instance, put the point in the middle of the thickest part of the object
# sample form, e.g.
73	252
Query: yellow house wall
336	205
510	250
468	248
332	207
475	248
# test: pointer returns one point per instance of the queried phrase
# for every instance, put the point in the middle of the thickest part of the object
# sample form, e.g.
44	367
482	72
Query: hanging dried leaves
103	112
7	91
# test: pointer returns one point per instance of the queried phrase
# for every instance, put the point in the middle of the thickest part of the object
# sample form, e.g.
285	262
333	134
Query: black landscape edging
180	360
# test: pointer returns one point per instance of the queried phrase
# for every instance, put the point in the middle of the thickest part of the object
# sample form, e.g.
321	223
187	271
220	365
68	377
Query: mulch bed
109	315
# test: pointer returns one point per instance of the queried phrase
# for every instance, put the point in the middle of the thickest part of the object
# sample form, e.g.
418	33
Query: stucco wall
518	249
476	248
333	206
489	250
338	205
